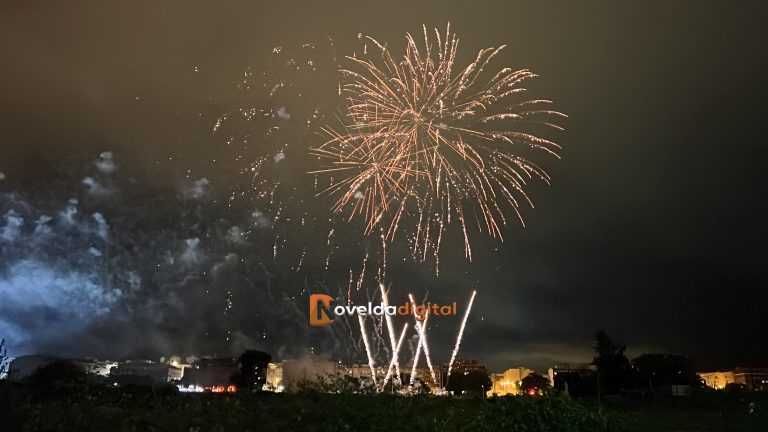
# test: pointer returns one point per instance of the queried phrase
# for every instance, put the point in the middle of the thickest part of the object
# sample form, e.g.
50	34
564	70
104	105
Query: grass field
83	408
709	412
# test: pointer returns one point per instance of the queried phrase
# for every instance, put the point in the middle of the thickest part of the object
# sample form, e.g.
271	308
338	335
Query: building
467	377
750	378
24	366
253	366
212	374
664	372
176	362
298	373
143	372
274	377
575	379
508	382
94	366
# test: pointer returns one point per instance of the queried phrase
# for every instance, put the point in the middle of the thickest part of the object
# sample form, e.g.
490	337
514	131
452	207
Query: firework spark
421	328
427	143
391	331
461	334
367	343
394	356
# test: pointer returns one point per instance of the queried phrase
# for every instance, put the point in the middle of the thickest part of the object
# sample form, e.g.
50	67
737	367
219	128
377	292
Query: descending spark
349	288
367	344
394	357
330	250
301	260
426	143
461	333
362	272
390	330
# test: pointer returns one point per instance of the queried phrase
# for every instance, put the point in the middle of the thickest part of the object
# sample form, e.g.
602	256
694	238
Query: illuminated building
750	378
274	377
508	382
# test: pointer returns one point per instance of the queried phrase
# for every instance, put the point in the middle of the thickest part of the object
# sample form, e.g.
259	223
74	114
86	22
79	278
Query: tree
613	367
533	384
56	372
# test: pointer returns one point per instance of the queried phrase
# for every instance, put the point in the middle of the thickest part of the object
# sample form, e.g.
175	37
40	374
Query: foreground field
709	412
140	409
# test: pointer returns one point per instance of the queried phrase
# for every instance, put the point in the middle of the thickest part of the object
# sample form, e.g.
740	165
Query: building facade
750	378
508	382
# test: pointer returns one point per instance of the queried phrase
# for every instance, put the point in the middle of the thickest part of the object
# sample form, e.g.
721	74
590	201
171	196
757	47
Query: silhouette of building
211	374
575	379
144	372
252	370
299	372
94	366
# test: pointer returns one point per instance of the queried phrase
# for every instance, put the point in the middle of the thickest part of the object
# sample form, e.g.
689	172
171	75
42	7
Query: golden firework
425	144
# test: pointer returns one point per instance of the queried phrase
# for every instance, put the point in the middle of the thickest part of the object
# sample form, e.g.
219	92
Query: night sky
653	228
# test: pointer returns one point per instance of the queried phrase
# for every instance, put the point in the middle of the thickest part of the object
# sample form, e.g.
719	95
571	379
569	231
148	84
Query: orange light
217	389
231	389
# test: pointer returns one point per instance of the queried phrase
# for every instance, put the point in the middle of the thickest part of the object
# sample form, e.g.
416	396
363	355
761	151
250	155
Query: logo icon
320	310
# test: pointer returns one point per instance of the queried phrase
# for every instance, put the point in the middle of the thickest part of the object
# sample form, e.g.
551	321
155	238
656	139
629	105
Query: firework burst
426	143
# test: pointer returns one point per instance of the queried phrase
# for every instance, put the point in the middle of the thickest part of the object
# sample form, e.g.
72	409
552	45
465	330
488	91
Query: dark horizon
652	229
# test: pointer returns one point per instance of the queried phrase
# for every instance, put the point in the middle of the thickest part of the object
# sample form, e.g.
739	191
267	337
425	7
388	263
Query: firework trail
391	331
367	343
461	334
427	143
421	328
394	357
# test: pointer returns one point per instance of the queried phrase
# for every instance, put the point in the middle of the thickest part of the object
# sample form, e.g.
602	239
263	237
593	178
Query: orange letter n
320	310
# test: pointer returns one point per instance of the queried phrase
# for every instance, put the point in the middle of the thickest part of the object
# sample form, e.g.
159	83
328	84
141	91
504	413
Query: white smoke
260	220
95	187
106	163
41	303
235	235
197	189
191	254
12	229
68	214
102	229
283	113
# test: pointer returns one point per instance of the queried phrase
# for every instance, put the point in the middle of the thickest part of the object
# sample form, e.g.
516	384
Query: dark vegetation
78	407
